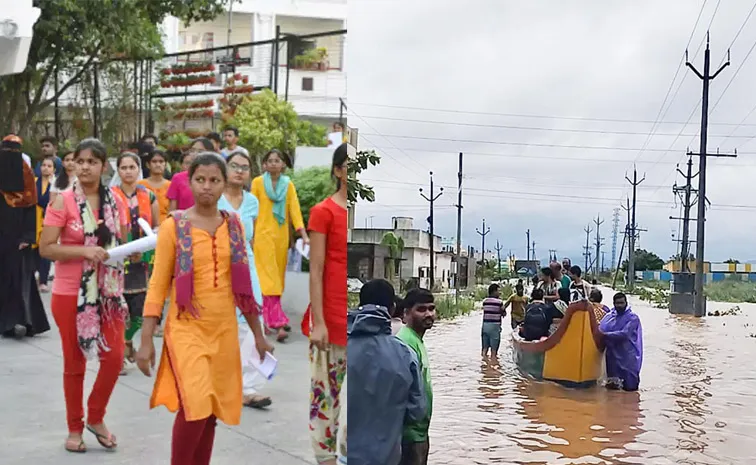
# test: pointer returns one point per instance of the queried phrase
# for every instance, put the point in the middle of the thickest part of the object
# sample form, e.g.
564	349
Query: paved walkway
32	418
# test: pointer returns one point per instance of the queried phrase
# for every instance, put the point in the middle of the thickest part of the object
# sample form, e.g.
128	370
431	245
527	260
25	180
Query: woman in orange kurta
200	367
157	182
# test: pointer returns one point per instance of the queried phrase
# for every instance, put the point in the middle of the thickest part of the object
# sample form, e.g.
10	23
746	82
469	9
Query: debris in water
735	310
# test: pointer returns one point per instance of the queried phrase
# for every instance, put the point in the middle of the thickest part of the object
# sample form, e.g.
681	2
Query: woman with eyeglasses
279	211
236	199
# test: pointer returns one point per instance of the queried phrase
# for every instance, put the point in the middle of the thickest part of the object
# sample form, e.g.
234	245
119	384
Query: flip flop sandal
129	353
80	449
260	403
101	439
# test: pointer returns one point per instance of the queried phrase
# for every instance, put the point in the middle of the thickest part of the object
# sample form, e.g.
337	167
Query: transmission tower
615	231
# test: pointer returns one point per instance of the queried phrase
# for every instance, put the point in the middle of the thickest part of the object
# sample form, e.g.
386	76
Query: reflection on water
695	405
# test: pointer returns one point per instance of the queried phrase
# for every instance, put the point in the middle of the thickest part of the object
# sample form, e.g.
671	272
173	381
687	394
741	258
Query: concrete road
33	421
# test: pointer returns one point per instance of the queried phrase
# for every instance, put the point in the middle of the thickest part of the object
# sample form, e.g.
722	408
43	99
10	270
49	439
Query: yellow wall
674	266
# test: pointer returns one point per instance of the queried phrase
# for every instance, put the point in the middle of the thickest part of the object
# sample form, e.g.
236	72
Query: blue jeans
491	336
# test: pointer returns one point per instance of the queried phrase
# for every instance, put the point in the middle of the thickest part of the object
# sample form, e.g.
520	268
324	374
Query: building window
307	84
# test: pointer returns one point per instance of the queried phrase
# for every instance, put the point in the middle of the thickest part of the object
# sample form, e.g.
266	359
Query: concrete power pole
459	231
686	192
699	305
632	231
615	231
498	255
598	222
483	235
432	198
587	247
527	234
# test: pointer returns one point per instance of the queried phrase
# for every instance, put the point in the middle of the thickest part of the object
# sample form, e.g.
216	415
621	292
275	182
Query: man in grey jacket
385	386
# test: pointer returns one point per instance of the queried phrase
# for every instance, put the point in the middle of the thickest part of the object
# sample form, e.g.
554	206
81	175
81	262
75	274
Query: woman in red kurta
326	320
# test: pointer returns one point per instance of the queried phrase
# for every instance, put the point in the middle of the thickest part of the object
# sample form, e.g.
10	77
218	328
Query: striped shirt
493	310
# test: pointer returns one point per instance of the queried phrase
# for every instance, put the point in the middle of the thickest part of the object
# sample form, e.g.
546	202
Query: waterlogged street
695	405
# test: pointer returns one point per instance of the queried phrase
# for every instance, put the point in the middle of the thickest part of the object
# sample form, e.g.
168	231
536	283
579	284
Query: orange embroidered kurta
200	357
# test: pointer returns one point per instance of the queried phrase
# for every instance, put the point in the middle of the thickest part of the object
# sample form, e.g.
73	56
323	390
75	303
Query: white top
26	159
226	152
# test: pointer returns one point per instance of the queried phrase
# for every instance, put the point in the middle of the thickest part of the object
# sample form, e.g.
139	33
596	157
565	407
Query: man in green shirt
420	314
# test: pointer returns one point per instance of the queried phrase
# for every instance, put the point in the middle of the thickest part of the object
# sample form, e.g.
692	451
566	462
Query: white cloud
594	60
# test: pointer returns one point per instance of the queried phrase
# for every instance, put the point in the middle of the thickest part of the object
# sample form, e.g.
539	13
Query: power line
530	128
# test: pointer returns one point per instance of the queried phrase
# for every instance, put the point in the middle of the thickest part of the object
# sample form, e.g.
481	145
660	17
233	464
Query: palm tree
396	249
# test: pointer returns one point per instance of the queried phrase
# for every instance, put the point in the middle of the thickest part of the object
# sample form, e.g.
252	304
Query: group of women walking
214	224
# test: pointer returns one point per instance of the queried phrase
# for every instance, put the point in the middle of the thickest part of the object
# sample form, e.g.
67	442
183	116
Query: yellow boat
571	356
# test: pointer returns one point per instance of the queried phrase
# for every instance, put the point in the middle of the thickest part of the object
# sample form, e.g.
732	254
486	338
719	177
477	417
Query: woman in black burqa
21	310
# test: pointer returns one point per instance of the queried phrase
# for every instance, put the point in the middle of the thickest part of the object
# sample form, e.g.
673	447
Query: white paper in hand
304	250
267	367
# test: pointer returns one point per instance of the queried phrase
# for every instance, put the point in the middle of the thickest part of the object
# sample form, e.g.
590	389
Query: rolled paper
120	253
145	227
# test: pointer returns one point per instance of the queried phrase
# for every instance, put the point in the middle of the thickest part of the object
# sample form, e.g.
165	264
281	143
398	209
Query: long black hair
207	143
62	180
209	159
340	156
100	152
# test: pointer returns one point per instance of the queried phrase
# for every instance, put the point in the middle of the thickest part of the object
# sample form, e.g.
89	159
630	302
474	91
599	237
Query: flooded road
695	404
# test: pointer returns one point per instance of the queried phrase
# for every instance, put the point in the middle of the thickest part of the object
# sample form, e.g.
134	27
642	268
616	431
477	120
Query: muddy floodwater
696	404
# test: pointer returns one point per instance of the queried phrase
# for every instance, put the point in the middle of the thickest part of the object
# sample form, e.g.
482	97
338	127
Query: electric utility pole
527	234
685	193
587	247
632	231
598	222
699	303
483	233
432	198
534	252
459	230
615	231
498	255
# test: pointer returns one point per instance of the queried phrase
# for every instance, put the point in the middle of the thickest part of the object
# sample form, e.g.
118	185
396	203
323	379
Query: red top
330	218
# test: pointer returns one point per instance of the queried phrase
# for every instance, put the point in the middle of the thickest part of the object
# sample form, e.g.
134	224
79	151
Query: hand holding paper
145	244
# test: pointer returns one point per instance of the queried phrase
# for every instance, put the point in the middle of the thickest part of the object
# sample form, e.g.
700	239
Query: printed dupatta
101	291
241	280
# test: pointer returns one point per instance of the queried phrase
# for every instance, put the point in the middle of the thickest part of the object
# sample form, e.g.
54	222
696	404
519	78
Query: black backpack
536	323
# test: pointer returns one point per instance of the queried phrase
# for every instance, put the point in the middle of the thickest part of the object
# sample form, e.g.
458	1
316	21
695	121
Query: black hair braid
104	235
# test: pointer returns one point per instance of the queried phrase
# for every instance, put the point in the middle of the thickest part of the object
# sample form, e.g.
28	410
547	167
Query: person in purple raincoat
622	335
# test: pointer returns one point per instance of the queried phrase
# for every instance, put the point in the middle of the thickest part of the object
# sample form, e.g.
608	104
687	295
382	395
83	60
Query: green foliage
72	35
446	306
731	290
353	299
645	261
732	260
313	186
355	189
266	122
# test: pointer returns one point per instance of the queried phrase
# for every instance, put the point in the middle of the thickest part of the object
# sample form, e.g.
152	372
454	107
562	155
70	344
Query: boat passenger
560	274
518	301
621	332
397	315
374	354
541	316
579	289
493	311
549	284
599	309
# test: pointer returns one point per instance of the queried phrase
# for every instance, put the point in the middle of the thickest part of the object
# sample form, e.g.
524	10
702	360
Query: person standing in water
140	203
325	322
518	301
279	211
237	200
419	317
201	262
157	183
493	311
87	295
621	332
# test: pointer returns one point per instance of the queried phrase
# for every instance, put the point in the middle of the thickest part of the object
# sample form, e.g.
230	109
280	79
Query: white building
315	93
416	256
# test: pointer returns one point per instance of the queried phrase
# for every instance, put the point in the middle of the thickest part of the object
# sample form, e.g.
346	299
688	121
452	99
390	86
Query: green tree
356	190
645	261
313	186
266	122
72	37
732	260
395	245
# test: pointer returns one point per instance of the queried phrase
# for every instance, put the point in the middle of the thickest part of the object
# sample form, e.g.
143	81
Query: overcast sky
551	102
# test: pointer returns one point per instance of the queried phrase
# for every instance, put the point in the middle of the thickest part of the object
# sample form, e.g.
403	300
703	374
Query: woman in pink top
87	301
180	192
